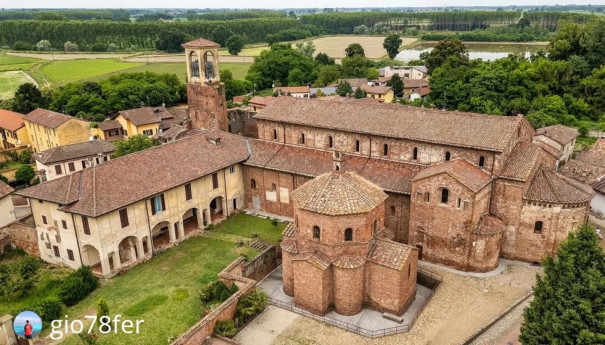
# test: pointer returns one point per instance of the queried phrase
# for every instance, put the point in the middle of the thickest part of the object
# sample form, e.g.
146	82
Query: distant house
328	90
109	130
354	82
559	137
7	212
12	130
381	93
411	86
405	72
48	129
257	103
422	93
65	160
147	120
294	91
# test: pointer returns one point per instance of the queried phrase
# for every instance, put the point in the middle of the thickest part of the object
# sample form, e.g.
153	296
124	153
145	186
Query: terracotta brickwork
207	106
21	235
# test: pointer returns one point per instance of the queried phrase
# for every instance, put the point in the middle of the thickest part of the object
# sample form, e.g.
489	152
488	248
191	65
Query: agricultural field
10	81
335	46
63	72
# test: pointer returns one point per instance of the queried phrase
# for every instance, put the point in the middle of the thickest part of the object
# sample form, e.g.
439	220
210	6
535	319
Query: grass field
242	225
10	81
253	50
67	71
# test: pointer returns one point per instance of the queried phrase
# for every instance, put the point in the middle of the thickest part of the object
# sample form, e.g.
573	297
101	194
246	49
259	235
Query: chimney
338	159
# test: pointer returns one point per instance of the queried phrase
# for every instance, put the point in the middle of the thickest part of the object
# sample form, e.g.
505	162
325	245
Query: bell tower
205	92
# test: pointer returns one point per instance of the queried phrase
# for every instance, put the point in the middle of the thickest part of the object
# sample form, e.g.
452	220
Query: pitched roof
74	151
349	261
389	253
5	189
488	132
146	115
108	124
599	185
415	83
582	171
338	193
47	118
522	161
552	150
461	170
376	89
98	190
10	120
424	91
549	186
260	100
354	82
289	245
200	43
292	89
559	133
389	175
595	155
316	259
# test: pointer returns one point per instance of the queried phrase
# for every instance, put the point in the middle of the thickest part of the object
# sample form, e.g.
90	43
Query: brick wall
23	236
207	106
312	287
262	264
241	121
348	290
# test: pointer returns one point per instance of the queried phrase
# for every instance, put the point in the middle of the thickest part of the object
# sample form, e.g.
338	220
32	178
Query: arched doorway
127	250
190	221
92	258
216	208
160	235
419	246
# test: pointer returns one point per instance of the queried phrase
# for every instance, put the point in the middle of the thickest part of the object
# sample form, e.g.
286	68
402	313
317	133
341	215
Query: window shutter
152	205
85	225
124	217
163	202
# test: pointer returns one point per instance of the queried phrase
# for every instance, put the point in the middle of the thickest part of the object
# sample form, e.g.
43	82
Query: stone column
139	244
188	64
200	219
105	269
7	332
149	246
117	264
133	252
208	218
215	65
181	230
171	232
201	65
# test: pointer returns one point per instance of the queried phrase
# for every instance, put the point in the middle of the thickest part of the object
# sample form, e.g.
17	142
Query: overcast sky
271	3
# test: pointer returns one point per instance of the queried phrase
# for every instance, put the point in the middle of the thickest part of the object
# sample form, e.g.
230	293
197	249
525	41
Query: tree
568	303
170	41
27	98
28	273
221	34
344	88
70	47
354	67
396	84
291	14
24	174
355	49
274	66
43	45
523	22
296	77
327	75
391	45
359	93
324	59
234	87
134	144
360	30
102	308
235	44
413	31
443	50
307	48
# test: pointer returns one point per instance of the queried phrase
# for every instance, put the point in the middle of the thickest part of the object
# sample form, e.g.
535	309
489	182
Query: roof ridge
94	190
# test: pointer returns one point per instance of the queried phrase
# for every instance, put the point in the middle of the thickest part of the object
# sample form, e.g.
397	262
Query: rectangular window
44	221
459	203
72	166
83	164
56	250
214	181
158	204
232	169
188	195
64	224
124	217
85	225
427	197
58	170
70	254
148	132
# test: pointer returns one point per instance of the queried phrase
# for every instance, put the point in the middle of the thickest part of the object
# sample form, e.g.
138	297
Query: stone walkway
266	327
260	214
368	319
502	263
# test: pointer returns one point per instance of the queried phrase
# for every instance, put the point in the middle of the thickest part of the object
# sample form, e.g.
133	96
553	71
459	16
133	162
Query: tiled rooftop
461	170
11	120
389	253
146	115
47	118
74	151
522	161
582	171
487	132
559	133
549	186
200	43
5	189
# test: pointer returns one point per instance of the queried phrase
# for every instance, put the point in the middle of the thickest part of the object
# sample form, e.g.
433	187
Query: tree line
230	15
48	14
495	34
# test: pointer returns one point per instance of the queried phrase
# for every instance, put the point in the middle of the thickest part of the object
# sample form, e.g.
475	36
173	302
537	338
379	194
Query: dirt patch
335	46
460	307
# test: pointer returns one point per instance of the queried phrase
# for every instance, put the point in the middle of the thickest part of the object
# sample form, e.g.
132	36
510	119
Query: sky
272	3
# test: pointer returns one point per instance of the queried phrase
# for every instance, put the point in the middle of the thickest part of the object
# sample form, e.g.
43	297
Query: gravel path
501	331
460	307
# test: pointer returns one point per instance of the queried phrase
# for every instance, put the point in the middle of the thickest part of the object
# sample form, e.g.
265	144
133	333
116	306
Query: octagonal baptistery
335	254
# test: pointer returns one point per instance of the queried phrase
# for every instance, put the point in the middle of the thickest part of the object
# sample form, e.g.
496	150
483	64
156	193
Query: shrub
24	174
250	306
43	45
28	275
225	328
98	47
102	308
19	45
70	47
217	291
77	285
112	47
49	309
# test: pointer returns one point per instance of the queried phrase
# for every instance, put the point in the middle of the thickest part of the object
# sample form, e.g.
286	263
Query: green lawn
584	143
243	226
15	60
67	71
10	81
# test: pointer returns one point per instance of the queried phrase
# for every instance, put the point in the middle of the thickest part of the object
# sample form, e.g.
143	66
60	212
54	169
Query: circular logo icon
27	324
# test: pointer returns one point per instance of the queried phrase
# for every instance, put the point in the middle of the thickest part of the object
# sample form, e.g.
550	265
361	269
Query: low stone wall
22	236
262	264
5	243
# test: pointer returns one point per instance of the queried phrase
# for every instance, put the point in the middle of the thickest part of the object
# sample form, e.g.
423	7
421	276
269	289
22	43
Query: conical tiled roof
200	43
549	186
339	193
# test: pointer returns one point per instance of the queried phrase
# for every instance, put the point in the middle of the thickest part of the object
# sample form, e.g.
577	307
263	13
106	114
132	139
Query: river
487	51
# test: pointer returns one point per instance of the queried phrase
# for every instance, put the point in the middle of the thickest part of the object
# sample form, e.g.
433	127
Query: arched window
253	184
330	141
415	154
275	134
376	226
356	145
316	232
409	270
447	156
273	187
296	221
392	210
538	227
337	167
445	195
385	149
302	138
427	197
348	234
481	161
